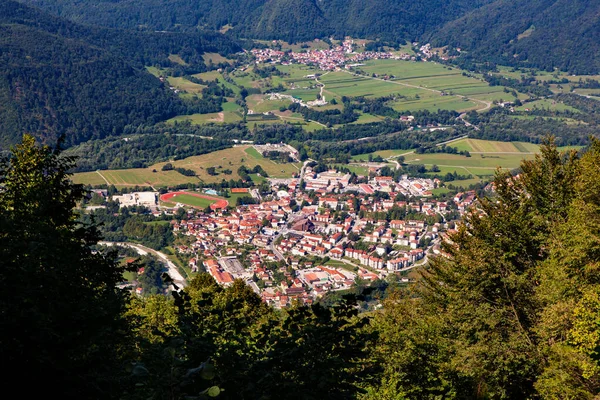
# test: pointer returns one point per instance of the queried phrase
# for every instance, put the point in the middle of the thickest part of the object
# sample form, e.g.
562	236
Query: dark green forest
59	78
544	34
271	19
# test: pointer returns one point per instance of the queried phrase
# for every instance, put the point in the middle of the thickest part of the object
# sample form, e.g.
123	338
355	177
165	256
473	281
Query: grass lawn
481	161
260	103
190	200
177	59
231	106
357	169
252	152
165	223
216	58
339	264
382	153
231	159
490	146
88	178
220	117
546	104
185	85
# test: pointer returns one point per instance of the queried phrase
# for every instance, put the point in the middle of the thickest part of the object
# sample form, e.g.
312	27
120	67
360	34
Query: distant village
341	56
315	233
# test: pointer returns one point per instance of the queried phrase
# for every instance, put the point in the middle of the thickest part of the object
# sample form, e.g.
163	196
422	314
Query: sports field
194	199
223	161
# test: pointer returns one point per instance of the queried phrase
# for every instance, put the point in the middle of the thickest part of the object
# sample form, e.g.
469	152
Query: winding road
143	250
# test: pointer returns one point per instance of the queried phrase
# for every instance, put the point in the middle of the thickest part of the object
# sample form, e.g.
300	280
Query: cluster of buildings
307	238
303	244
326	60
146	199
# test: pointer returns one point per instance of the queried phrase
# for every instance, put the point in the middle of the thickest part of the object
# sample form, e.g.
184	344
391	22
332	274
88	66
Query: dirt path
102	176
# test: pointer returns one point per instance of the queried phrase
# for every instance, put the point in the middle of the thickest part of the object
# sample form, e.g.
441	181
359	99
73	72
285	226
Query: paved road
142	250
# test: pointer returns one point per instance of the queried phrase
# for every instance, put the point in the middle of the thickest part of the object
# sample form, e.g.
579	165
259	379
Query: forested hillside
542	33
57	77
270	19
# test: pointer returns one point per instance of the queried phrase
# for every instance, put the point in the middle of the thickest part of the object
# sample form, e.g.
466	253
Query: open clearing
223	161
486	157
215	58
546	104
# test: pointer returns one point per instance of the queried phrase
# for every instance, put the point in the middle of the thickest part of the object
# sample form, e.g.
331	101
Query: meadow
416	86
486	157
229	159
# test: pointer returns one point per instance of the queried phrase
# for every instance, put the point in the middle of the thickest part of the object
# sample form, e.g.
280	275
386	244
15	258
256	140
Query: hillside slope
269	19
60	78
543	33
539	33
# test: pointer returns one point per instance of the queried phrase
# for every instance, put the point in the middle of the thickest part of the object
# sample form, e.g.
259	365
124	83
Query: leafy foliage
62	315
57	77
508	312
546	34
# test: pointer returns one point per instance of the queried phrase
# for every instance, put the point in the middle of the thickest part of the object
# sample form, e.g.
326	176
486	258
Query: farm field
546	104
229	159
486	157
416	86
490	146
220	117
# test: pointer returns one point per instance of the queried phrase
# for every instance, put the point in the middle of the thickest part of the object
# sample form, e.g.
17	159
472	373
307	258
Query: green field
190	200
215	58
546	104
414	86
220	117
357	169
486	157
490	146
185	85
479	164
228	159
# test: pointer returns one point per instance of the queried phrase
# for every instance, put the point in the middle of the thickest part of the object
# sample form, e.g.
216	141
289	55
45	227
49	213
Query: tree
62	315
510	311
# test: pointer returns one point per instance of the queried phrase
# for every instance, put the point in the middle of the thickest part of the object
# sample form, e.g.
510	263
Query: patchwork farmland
226	163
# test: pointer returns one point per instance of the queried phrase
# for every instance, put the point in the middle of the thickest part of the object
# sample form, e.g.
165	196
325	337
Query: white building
147	199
